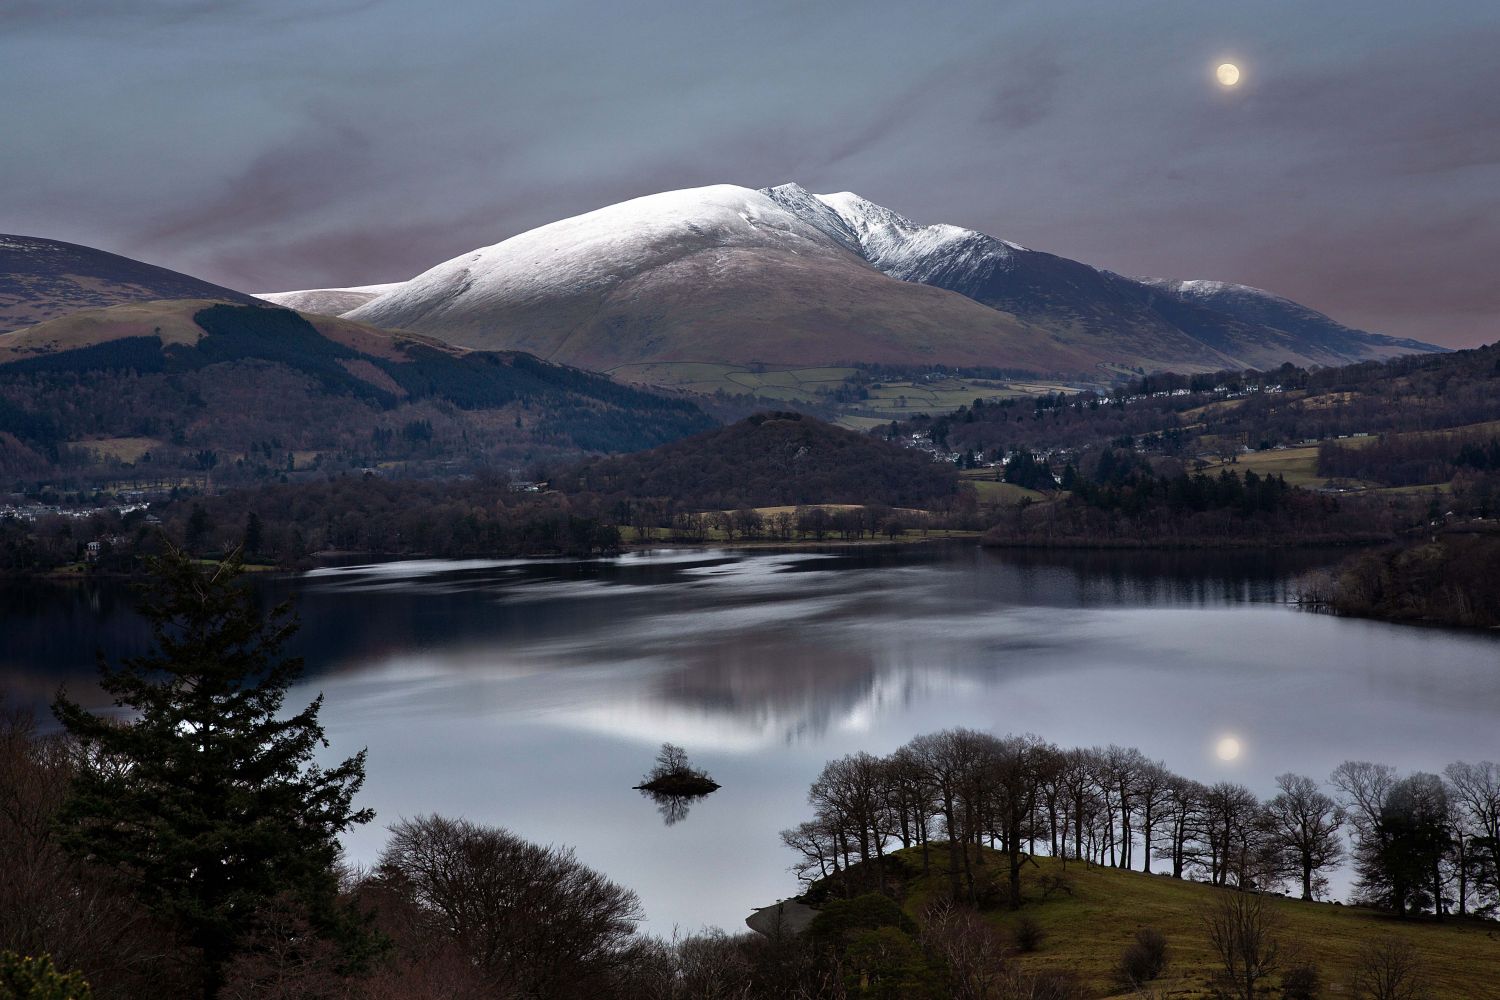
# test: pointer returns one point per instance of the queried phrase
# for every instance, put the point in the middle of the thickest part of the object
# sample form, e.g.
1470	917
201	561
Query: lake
533	694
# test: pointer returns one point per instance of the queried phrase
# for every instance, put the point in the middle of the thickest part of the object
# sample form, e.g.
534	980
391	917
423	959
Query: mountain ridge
784	276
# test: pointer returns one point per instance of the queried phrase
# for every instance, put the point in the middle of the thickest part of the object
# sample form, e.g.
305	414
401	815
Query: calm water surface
533	694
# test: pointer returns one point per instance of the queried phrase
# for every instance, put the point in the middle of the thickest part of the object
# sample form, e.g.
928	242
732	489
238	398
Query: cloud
1028	91
104	16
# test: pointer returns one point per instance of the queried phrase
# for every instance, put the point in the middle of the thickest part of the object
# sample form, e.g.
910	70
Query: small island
673	775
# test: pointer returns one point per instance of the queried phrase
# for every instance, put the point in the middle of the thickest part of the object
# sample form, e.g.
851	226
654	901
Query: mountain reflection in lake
528	693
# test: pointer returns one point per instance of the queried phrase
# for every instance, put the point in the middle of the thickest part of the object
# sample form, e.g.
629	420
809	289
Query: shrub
1389	968
872	911
1028	934
1044	984
38	979
1302	982
1144	958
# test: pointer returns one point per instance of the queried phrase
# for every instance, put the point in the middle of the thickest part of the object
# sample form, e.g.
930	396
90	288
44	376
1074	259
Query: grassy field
992	492
889	399
795	385
125	449
897	399
1086	931
1299	466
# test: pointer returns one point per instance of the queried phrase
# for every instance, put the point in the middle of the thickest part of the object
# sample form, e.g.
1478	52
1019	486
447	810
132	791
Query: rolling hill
43	279
173	390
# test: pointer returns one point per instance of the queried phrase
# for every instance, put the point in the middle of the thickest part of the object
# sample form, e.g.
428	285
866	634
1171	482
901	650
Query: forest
1119	499
1449	579
768	460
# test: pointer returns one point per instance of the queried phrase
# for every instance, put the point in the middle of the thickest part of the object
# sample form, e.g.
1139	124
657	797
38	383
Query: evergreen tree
24	978
253	533
204	799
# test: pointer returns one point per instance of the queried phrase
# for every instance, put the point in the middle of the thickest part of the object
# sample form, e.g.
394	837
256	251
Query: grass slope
1086	931
43	279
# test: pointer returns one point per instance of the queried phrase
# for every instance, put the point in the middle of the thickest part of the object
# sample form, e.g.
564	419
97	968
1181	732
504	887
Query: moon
1228	748
1228	74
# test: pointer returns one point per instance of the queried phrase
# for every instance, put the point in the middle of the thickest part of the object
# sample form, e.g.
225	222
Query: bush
1028	934
1044	984
1302	982
843	917
38	979
1144	958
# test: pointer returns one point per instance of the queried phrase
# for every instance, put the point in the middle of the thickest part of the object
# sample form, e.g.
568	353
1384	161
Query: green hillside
1095	915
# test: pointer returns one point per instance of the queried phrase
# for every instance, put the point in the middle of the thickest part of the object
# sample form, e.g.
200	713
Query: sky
280	144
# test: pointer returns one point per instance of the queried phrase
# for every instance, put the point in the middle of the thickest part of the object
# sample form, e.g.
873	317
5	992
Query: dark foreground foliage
206	803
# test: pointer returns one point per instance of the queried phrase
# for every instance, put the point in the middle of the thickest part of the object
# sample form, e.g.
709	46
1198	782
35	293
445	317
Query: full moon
1229	74
1228	748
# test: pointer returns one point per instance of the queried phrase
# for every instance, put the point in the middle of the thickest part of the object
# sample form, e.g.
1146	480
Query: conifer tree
201	796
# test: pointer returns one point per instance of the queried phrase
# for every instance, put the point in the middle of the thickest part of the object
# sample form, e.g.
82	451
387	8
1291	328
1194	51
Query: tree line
289	525
1451	579
769	460
1418	843
1118	498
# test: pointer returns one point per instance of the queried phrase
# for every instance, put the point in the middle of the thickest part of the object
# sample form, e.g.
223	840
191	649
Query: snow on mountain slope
596	251
717	274
1161	323
328	301
782	275
1285	324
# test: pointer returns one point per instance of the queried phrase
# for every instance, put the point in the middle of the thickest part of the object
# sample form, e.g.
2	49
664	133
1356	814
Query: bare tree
1153	800
1242	931
1476	793
972	950
947	760
817	847
533	919
849	798
1231	814
50	902
1389	968
1184	814
1304	825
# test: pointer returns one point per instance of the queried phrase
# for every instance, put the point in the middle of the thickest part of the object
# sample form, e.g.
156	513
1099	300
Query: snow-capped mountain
783	275
1197	322
714	274
327	301
1287	325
